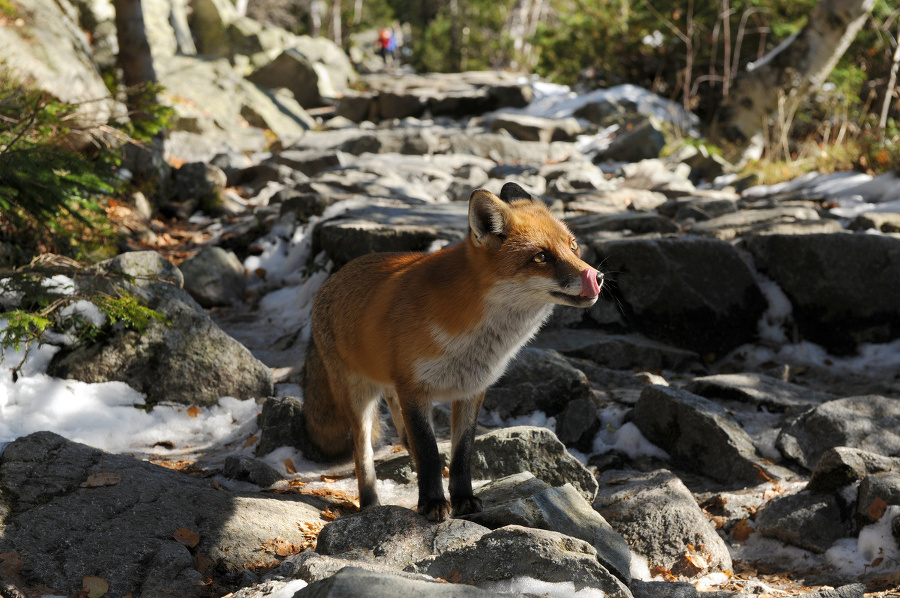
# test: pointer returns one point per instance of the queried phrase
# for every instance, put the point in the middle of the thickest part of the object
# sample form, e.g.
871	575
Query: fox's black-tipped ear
488	218
511	192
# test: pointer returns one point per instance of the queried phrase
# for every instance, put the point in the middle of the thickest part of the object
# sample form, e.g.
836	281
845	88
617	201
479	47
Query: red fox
419	328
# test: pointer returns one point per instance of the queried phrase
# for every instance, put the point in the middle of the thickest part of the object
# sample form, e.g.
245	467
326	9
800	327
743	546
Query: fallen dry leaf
250	441
194	411
330	515
281	547
187	537
742	530
877	508
182	466
693	564
310	530
289	466
664	573
94	587
101	478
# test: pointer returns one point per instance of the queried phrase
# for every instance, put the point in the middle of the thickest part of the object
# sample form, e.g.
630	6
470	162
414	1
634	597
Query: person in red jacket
384	42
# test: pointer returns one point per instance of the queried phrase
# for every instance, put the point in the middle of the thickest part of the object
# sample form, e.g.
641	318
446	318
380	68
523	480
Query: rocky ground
725	421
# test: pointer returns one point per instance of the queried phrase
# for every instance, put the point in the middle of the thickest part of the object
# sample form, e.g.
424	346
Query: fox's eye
539	258
574	246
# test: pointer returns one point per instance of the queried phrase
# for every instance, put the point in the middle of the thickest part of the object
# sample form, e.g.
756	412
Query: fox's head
526	244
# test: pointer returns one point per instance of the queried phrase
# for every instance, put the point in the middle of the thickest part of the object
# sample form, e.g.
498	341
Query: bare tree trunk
455	49
516	25
357	11
790	72
134	49
315	18
892	85
179	21
534	18
336	22
144	160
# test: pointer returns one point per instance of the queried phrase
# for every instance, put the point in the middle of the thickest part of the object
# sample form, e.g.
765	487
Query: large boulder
693	293
641	138
501	148
388	228
525	448
658	517
186	360
877	492
616	351
840	467
70	511
525	500
810	520
757	389
514	551
394	536
209	24
537	380
700	434
214	277
52	52
315	70
870	423
844	288
796	220
535	128
211	100
356	582
311	566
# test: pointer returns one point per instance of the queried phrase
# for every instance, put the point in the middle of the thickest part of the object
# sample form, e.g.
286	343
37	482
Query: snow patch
289	589
875	550
536	587
109	415
614	435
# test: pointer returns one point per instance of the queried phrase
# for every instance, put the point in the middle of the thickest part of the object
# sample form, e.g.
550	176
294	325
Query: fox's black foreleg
464	418
423	446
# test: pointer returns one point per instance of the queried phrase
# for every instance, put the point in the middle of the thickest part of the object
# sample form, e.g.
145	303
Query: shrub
50	196
56	297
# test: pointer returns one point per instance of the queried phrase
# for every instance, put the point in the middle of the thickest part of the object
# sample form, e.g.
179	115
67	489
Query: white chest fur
473	361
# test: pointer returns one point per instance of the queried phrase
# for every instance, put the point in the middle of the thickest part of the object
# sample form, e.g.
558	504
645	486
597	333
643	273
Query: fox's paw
368	498
434	509
466	505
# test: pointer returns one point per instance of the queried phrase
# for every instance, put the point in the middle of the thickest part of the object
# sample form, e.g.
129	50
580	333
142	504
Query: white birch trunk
789	73
892	85
336	22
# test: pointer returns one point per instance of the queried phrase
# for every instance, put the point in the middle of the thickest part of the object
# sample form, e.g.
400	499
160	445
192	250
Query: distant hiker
384	43
392	47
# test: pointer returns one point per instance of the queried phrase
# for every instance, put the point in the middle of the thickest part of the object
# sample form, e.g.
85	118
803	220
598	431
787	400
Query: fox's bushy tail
328	435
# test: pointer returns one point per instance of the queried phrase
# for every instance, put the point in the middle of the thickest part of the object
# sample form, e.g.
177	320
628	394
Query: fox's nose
591	281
